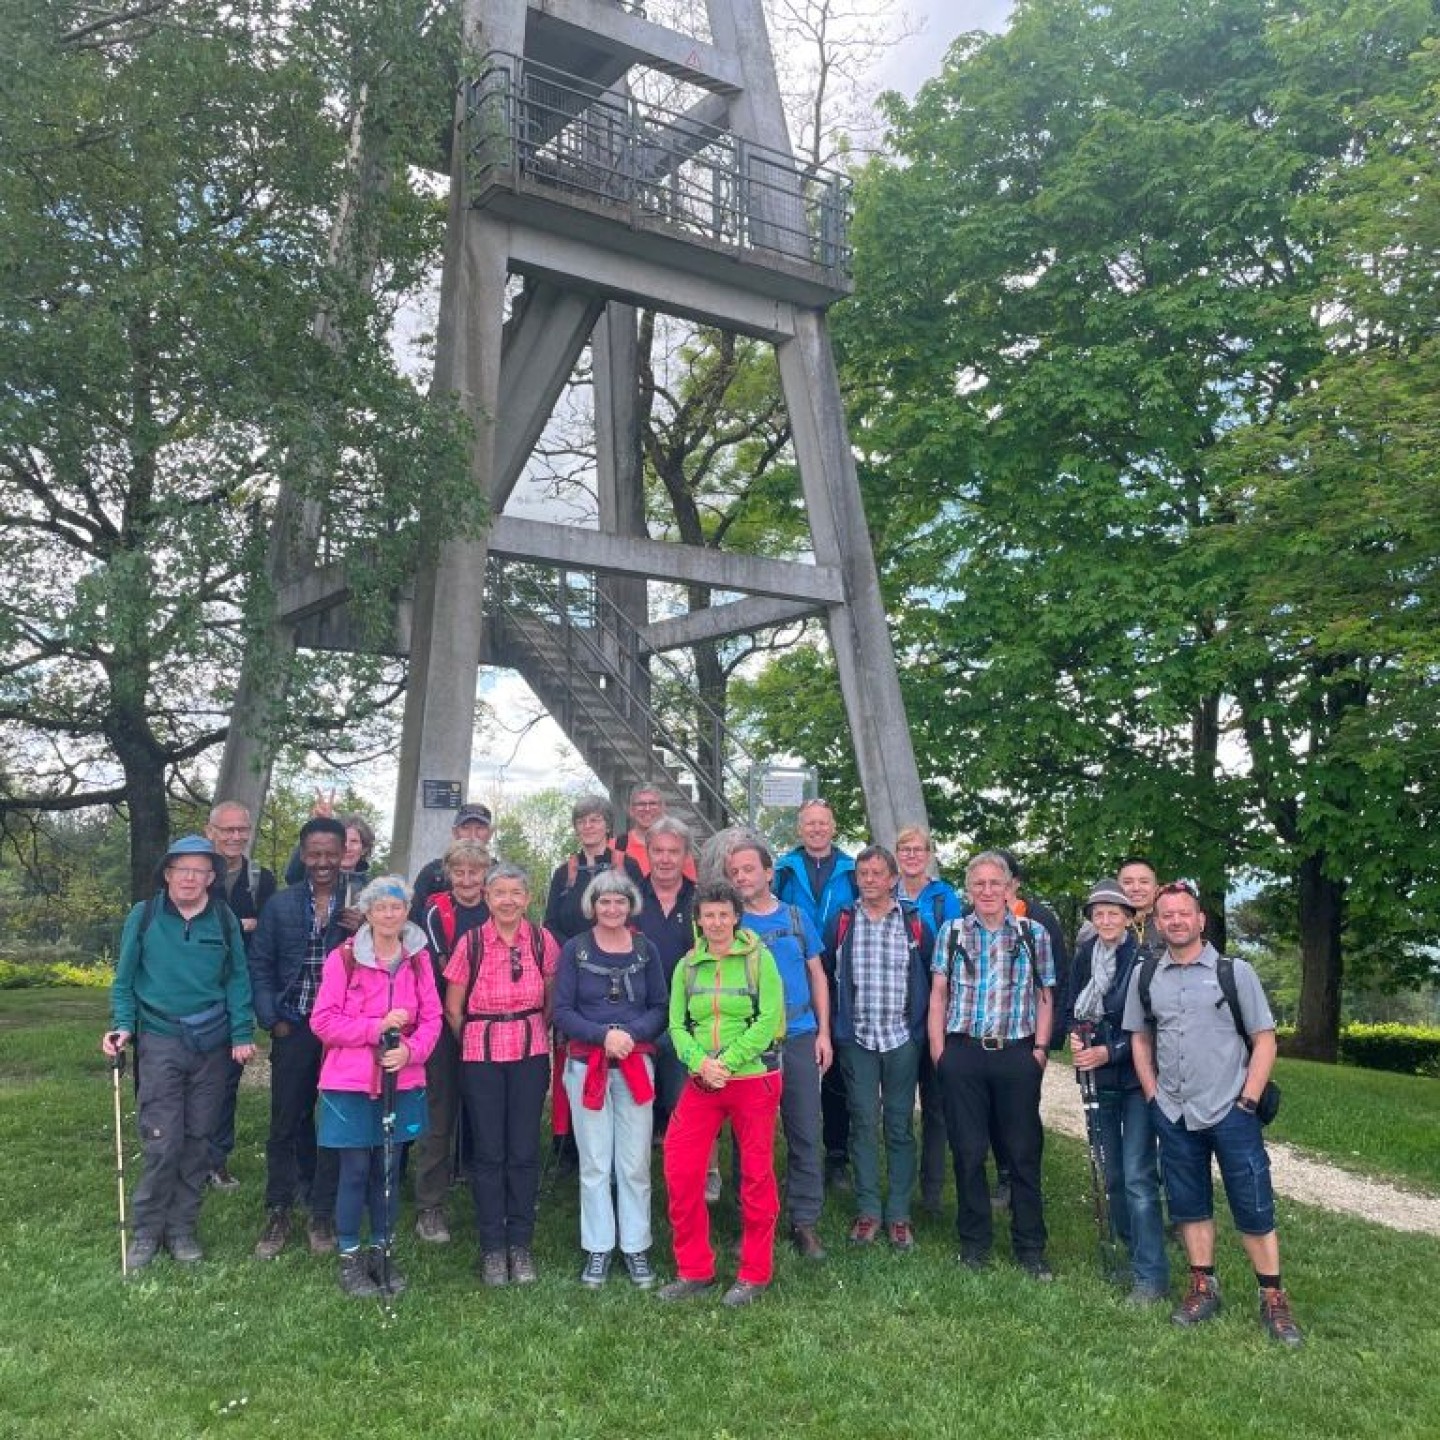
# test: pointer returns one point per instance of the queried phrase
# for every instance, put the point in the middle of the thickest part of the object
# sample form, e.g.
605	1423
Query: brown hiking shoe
274	1235
807	1242
522	1266
322	1235
1275	1316
1201	1302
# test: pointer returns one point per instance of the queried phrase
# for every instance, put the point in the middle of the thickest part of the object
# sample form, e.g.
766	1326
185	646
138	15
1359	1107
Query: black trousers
504	1100
292	1161
985	1091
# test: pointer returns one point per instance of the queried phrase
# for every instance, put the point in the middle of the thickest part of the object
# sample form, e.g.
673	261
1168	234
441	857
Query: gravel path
1294	1175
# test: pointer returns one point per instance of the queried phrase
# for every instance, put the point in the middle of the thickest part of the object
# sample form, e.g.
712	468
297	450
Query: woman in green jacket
727	1018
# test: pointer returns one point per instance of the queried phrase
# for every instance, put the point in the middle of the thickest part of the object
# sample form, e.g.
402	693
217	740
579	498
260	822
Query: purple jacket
349	1008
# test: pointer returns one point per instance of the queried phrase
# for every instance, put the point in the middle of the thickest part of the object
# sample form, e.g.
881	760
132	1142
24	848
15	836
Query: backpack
1268	1106
618	975
914	939
444	906
794	929
229	925
771	1055
347	959
1027	944
490	1018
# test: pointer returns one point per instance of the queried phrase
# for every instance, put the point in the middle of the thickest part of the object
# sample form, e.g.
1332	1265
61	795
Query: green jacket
721	1009
180	967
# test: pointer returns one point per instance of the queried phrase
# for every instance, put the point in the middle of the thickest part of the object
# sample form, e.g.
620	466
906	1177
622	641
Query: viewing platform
561	155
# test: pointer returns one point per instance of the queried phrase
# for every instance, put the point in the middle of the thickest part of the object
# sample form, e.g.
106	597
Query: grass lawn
869	1344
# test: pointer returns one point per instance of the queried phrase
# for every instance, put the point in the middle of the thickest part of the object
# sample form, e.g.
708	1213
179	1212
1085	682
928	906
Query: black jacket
1119	1074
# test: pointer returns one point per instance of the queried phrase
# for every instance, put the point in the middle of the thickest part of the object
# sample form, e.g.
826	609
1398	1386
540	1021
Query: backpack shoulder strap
937	909
1225	973
1148	967
444	903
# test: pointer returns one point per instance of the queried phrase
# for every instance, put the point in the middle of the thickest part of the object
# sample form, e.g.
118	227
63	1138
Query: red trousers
751	1106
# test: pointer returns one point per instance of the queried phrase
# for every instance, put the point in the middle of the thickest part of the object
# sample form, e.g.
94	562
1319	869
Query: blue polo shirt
777	932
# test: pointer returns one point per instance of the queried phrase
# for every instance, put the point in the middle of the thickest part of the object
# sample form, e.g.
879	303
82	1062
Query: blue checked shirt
879	967
299	997
994	994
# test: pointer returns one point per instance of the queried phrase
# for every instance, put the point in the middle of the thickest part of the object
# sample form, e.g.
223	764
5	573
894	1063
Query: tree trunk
1209	858
144	768
1321	902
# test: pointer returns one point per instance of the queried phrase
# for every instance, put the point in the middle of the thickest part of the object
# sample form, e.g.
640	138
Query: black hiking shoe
640	1270
355	1277
596	1270
388	1280
184	1249
141	1250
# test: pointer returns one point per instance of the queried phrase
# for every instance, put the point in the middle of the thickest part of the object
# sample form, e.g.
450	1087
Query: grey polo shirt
1200	1059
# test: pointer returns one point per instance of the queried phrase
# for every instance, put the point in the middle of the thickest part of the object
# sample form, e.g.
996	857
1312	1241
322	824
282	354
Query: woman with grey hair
610	1005
593	818
377	1014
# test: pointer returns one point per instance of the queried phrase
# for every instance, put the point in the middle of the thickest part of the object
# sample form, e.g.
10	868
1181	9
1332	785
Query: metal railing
535	128
604	654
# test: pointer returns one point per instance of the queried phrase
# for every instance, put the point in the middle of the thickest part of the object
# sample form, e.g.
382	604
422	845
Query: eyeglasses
190	873
515	971
232	829
912	849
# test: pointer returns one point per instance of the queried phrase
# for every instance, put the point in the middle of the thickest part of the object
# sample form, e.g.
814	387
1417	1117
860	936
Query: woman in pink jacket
378	1015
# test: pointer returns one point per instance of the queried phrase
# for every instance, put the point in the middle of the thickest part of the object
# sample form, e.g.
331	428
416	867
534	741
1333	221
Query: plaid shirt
992	982
509	980
879	967
299	996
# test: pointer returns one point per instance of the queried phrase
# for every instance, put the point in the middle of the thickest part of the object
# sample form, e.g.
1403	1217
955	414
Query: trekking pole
117	1069
388	1079
1109	1251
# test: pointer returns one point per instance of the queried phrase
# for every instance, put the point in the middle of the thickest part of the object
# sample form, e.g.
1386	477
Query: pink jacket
349	1008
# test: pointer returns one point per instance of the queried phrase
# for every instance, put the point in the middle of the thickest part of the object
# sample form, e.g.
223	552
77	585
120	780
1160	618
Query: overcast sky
917	58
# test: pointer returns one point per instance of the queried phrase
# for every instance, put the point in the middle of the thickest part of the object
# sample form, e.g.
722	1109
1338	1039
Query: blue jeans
360	1187
1132	1179
1238	1144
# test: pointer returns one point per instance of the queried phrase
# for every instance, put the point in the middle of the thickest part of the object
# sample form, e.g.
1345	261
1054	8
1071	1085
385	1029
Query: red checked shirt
510	980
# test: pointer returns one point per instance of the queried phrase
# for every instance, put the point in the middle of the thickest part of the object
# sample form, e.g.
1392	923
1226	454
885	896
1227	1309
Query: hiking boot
864	1230
1275	1316
639	1269
1201	1302
1037	1267
712	1186
355	1277
837	1176
388	1280
522	1266
806	1240
596	1270
322	1235
220	1178
976	1261
742	1292
902	1237
274	1235
431	1226
184	1249
494	1268
685	1289
141	1250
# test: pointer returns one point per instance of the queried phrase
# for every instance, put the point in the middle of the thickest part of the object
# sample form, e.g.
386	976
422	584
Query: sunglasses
515	970
1181	887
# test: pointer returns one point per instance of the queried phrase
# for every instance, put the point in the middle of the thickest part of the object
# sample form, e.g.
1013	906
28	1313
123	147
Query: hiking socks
1268	1282
1207	1270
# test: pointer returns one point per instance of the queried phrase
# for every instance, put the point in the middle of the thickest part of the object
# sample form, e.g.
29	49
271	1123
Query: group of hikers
666	994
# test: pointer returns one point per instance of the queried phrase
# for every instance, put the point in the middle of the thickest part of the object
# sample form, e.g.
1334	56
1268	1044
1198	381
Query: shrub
1406	1049
29	975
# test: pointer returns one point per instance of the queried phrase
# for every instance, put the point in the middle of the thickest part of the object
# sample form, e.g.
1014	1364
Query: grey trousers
179	1101
435	1150
804	1191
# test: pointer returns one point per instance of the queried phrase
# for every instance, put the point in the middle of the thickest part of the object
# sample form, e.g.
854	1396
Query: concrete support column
859	631
439	728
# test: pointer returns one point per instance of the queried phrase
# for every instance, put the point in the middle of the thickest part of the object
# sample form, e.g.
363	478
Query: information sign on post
441	794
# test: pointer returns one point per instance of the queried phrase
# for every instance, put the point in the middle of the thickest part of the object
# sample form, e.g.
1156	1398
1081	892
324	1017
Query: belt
992	1042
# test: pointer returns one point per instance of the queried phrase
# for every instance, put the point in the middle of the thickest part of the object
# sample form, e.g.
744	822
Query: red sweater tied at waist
632	1069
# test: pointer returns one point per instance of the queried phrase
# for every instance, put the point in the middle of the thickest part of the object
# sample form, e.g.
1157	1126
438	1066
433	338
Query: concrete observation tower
599	203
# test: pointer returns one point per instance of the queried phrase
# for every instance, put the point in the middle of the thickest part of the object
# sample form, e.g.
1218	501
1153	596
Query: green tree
166	190
1113	260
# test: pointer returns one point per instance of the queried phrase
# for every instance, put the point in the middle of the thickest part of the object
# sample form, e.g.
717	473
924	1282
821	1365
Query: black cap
467	814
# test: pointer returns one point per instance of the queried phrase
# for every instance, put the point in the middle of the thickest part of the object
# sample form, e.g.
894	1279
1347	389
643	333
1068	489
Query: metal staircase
634	716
